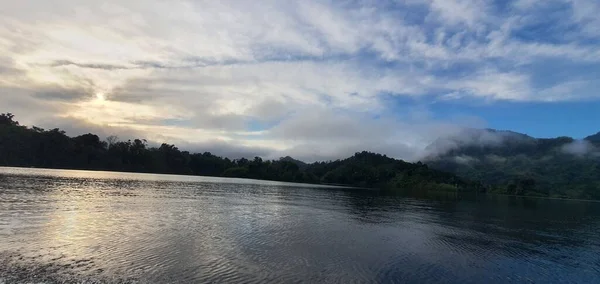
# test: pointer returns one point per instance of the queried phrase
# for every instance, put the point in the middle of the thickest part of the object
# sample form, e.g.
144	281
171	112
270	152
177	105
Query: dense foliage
523	165
36	147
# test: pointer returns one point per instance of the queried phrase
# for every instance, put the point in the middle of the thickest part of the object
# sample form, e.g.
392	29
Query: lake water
81	226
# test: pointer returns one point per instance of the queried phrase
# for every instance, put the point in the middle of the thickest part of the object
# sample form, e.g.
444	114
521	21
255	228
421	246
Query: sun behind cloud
100	97
102	111
329	76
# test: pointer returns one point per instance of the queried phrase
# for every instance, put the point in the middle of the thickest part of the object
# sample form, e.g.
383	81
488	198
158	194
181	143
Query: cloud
585	13
318	79
580	148
7	67
60	63
471	137
464	159
56	93
492	84
319	134
455	12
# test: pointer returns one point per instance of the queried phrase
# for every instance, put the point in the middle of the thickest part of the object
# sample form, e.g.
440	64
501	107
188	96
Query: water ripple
99	227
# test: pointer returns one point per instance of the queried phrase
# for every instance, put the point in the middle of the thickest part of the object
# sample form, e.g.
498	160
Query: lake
83	226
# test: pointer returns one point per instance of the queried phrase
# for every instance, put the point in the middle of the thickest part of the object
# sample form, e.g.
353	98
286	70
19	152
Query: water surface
81	226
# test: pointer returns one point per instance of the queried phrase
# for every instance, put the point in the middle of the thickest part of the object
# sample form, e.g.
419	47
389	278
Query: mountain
594	138
474	160
514	163
479	140
36	147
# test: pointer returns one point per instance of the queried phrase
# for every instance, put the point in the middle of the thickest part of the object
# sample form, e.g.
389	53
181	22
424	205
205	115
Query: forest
518	164
23	146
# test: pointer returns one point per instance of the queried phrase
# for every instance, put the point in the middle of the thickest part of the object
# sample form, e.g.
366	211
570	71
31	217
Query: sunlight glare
100	97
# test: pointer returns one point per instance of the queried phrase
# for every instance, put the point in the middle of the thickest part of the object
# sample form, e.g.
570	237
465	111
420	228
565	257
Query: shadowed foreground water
79	226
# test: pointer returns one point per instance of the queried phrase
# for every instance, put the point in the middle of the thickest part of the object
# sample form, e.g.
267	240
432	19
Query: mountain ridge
473	160
558	167
595	138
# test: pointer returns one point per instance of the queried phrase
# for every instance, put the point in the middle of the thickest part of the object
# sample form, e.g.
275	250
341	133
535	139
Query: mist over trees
522	165
35	147
496	162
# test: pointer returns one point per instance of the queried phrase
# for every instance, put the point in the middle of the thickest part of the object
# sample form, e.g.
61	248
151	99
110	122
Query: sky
316	80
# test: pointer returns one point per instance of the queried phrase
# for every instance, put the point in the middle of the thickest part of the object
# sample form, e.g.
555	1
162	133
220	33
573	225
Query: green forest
518	165
23	146
522	165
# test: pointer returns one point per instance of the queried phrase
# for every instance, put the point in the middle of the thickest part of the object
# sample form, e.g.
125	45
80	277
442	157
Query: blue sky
312	79
577	119
544	120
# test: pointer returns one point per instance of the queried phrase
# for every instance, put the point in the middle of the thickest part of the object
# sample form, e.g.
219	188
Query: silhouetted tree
22	146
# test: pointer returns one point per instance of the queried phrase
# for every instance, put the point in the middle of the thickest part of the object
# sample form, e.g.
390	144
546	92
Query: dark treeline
35	147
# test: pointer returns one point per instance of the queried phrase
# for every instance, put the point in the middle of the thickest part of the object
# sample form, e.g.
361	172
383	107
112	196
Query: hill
300	164
368	169
36	147
594	138
514	163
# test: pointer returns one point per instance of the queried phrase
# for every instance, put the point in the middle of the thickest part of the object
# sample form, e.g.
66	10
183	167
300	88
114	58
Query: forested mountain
515	163
36	147
503	161
594	138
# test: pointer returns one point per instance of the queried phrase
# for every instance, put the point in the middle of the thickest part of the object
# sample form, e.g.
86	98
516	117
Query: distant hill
515	163
301	165
594	138
367	169
26	147
472	160
480	140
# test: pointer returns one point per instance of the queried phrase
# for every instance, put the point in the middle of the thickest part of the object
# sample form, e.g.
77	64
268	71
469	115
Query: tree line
24	146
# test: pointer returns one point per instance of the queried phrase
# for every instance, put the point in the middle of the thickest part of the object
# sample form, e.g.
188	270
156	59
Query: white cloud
586	13
494	85
284	75
579	148
467	12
